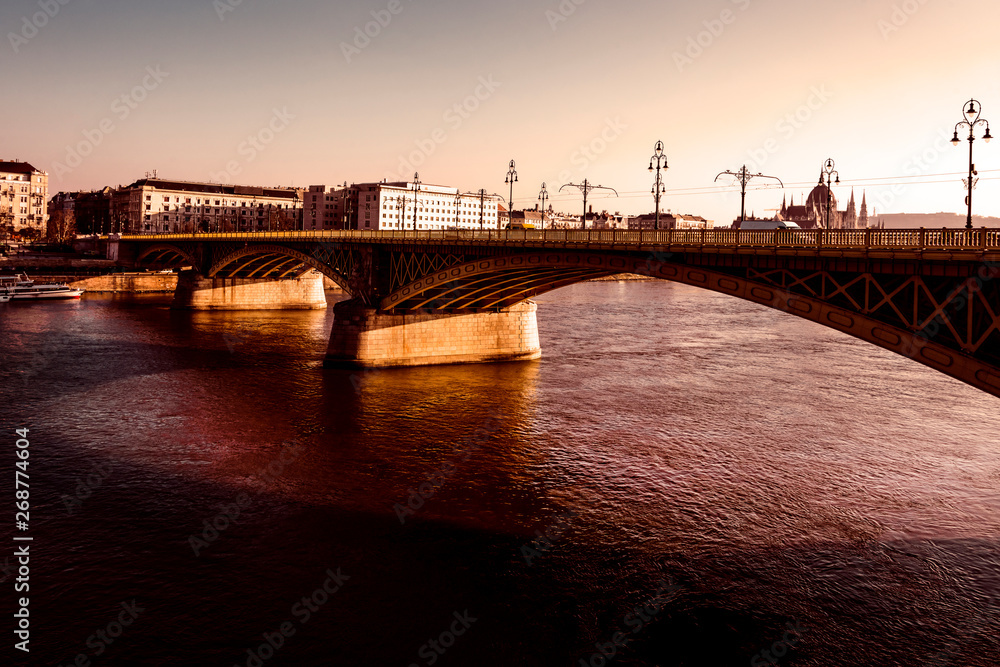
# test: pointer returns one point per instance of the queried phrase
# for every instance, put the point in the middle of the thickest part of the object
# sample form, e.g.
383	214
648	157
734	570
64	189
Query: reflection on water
773	470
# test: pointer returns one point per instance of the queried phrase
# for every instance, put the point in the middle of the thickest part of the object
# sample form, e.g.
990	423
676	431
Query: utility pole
743	176
585	188
482	194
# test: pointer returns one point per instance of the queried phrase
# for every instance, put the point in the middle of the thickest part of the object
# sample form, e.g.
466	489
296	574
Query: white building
159	205
24	196
670	221
390	206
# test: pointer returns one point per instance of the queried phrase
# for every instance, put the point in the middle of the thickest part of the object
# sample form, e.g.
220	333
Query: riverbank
618	277
136	283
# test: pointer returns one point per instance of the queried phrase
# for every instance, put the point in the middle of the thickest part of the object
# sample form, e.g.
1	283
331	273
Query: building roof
16	167
530	214
215	188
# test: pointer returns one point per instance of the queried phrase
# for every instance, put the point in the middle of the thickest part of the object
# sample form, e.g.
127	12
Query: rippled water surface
740	468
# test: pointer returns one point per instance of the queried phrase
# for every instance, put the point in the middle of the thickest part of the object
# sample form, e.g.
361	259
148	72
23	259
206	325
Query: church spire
850	215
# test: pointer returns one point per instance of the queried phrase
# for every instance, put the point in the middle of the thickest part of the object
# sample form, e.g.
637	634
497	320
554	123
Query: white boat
4	297
22	288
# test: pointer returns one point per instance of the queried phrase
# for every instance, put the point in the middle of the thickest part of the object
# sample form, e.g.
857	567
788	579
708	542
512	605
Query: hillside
933	220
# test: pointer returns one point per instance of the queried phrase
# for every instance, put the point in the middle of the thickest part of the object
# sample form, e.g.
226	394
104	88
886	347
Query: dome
817	198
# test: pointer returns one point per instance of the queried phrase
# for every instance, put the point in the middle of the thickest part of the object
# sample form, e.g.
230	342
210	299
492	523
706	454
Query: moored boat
22	288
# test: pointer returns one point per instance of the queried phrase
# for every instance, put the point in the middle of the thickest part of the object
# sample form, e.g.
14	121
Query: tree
62	226
279	220
6	223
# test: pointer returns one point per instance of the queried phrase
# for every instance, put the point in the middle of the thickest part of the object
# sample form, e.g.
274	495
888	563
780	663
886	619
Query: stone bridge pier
303	292
363	337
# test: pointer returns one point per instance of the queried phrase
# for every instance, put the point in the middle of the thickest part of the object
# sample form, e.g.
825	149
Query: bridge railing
910	239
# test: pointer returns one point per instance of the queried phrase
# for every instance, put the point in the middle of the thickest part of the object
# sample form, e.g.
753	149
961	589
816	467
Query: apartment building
153	205
396	206
24	195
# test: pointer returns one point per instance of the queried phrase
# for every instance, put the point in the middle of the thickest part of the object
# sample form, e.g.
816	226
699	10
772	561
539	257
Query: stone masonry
364	338
302	293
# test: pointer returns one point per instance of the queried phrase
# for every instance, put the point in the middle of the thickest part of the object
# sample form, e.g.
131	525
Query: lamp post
416	188
512	179
743	177
585	188
543	195
972	113
829	173
658	189
401	207
483	194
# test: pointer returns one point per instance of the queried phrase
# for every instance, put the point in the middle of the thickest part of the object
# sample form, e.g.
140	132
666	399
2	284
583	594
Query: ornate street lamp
416	187
972	113
829	173
512	179
661	163
743	176
585	188
543	195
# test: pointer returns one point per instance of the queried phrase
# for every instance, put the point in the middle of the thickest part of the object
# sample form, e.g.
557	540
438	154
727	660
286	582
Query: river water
729	470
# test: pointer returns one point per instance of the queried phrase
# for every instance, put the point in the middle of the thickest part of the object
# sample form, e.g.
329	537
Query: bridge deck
933	244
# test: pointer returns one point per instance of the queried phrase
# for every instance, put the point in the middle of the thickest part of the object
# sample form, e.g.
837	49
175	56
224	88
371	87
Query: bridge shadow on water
407	582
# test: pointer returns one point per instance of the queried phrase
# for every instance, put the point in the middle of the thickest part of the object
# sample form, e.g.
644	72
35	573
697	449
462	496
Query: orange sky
298	93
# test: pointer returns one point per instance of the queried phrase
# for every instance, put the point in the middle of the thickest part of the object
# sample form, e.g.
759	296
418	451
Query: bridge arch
493	283
167	255
272	261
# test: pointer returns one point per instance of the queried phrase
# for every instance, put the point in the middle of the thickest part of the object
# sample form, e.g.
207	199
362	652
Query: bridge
421	297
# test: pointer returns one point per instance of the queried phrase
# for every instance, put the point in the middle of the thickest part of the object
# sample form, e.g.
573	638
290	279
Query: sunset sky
101	91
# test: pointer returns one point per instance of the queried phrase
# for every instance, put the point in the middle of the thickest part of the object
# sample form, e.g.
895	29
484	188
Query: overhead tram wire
874	181
810	183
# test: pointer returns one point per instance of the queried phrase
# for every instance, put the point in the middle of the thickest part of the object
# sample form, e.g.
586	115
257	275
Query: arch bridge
932	295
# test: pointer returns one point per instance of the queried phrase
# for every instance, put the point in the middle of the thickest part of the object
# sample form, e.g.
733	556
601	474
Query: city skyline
261	93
